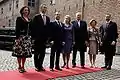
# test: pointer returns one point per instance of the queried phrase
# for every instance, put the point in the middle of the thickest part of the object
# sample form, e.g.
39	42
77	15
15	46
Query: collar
57	20
67	25
108	21
78	20
42	13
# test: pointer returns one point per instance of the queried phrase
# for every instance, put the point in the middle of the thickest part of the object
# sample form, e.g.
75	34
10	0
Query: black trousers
39	47
55	51
82	56
108	58
109	51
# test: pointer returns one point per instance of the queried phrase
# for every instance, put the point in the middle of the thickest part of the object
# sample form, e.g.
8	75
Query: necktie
59	23
79	23
44	19
107	24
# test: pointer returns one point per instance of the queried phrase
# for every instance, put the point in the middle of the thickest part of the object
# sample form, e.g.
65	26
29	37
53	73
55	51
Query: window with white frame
1	10
17	2
9	22
31	3
10	5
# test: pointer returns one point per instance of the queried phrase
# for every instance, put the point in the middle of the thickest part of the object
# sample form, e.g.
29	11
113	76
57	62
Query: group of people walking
65	37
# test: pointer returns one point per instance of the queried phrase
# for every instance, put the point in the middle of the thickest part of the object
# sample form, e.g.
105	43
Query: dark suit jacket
39	30
57	32
109	34
81	34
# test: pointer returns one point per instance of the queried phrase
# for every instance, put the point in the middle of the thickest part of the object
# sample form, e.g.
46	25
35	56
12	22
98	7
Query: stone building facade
9	10
91	9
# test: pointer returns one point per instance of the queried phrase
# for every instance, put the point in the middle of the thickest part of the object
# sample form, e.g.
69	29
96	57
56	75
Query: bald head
78	15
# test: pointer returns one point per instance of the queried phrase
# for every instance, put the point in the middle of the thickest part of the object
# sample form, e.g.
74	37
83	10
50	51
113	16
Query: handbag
23	46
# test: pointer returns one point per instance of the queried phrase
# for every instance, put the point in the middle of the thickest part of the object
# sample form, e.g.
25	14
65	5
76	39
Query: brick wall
94	9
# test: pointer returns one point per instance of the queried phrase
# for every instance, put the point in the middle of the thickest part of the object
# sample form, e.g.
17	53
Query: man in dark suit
81	38
58	41
40	29
108	37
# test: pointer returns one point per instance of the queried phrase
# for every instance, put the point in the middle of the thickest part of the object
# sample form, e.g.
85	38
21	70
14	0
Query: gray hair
43	5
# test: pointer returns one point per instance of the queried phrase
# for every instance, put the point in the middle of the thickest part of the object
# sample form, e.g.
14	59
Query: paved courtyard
7	62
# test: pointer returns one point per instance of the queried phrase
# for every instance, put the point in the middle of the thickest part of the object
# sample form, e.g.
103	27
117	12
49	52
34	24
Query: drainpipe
13	14
83	8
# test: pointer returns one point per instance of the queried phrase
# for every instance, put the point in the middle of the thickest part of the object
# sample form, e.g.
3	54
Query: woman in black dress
68	28
22	48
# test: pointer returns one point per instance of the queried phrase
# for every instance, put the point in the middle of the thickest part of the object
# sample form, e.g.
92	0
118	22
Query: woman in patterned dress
68	32
22	47
93	42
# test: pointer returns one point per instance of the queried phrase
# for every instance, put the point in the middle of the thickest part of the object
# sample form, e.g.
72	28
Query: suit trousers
82	55
39	47
109	51
108	59
55	51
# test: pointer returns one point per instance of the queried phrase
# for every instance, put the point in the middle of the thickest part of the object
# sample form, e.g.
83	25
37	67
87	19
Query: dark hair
21	10
92	21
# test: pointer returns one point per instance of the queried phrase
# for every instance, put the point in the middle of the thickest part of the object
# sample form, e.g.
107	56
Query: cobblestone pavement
7	62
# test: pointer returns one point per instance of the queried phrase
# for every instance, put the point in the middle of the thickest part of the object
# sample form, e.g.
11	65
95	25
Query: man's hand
86	43
113	43
63	43
73	43
52	42
101	43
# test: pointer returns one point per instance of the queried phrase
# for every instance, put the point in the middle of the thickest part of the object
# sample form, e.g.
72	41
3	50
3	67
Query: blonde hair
67	16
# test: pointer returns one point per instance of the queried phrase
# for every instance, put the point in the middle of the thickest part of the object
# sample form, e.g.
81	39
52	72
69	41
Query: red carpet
31	74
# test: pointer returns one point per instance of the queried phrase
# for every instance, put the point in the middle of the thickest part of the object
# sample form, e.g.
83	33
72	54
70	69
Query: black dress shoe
108	68
57	68
51	69
36	69
73	66
104	67
83	67
42	69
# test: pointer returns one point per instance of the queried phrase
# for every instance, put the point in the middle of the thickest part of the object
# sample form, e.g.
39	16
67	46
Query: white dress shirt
78	23
58	22
44	18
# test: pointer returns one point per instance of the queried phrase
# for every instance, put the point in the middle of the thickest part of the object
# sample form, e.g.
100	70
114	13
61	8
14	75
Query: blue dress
68	38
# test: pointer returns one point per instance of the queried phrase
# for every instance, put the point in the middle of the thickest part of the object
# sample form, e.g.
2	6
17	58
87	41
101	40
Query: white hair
57	12
43	5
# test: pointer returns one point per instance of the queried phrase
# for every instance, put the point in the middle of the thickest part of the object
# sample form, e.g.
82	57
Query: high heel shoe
22	70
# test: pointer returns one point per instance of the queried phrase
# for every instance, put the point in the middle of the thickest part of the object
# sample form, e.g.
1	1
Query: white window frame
31	2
